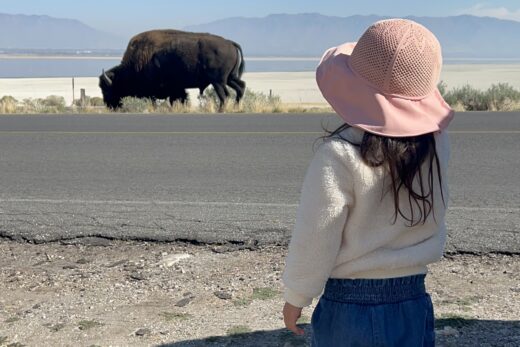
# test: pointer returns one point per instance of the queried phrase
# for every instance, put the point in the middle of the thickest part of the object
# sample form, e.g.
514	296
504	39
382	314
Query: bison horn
106	78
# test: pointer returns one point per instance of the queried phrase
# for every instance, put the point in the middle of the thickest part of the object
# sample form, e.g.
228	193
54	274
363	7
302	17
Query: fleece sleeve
320	220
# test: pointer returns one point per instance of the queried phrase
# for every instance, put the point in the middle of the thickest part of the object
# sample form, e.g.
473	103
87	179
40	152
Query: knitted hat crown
386	83
398	57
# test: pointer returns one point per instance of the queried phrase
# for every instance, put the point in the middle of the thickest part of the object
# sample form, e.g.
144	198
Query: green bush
472	99
251	102
130	104
503	97
53	104
498	97
97	101
260	102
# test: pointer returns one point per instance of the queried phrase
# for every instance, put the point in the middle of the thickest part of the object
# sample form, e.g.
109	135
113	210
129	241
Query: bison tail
240	66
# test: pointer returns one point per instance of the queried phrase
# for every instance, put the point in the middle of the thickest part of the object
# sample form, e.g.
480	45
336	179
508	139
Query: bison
161	64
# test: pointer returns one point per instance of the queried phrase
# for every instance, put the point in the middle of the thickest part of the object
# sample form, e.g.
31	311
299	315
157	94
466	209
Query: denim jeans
374	312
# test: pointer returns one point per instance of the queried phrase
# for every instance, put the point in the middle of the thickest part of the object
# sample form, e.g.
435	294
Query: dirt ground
97	292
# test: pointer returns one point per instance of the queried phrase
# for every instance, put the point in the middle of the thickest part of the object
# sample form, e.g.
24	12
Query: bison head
110	85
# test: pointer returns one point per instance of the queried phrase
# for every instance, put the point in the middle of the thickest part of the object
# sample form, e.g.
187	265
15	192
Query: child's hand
290	315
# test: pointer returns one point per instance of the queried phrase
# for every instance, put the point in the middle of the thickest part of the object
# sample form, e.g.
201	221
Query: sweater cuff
296	299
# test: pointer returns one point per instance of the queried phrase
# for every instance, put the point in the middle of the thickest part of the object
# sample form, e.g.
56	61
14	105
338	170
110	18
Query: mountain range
23	32
462	36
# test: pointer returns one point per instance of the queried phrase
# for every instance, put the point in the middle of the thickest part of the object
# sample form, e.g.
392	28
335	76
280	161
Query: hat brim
361	105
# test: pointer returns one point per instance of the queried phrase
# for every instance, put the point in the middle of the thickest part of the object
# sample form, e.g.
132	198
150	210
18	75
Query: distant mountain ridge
310	34
48	33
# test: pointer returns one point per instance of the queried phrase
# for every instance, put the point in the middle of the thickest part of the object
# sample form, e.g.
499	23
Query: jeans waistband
375	291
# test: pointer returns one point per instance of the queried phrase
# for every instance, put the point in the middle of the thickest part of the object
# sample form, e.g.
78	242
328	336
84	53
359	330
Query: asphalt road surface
221	178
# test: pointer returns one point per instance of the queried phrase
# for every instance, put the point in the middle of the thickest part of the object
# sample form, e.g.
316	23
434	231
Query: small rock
88	241
188	294
117	263
183	302
222	249
69	267
137	276
223	295
170	260
82	261
143	332
37	306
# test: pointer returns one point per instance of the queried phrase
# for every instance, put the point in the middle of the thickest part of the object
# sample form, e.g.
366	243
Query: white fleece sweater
344	222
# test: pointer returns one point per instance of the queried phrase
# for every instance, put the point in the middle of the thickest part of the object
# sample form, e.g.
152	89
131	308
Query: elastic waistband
375	291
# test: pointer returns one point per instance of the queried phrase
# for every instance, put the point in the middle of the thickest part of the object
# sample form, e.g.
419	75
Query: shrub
208	101
498	97
472	99
503	97
53	104
251	102
257	102
32	106
8	104
443	88
130	104
96	101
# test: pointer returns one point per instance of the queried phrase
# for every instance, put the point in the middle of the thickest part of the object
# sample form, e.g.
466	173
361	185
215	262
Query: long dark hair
402	158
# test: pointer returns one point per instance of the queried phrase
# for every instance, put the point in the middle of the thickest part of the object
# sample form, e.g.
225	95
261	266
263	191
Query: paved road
214	178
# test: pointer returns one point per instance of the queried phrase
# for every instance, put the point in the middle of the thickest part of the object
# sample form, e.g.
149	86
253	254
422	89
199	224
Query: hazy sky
126	17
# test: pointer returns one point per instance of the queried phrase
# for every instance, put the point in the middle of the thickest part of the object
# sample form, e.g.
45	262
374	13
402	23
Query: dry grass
499	97
8	104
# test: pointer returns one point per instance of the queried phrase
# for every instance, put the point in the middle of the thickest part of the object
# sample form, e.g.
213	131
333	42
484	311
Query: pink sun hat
386	83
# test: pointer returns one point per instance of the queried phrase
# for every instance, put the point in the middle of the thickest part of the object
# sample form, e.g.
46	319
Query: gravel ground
112	293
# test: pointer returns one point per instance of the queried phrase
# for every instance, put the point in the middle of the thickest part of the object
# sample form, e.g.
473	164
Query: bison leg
222	93
239	86
182	96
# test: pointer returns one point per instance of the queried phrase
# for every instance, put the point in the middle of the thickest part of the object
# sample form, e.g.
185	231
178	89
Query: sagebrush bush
251	102
96	101
51	104
503	97
8	104
498	97
130	104
255	102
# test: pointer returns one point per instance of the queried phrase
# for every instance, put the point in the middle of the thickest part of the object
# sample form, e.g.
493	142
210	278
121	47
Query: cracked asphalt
221	178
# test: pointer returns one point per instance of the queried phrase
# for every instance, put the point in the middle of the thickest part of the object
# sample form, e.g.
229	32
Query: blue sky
126	17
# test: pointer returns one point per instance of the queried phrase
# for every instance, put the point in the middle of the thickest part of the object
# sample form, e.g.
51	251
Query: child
371	214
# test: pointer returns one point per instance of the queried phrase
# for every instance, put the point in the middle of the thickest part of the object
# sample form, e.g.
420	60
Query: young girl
371	214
